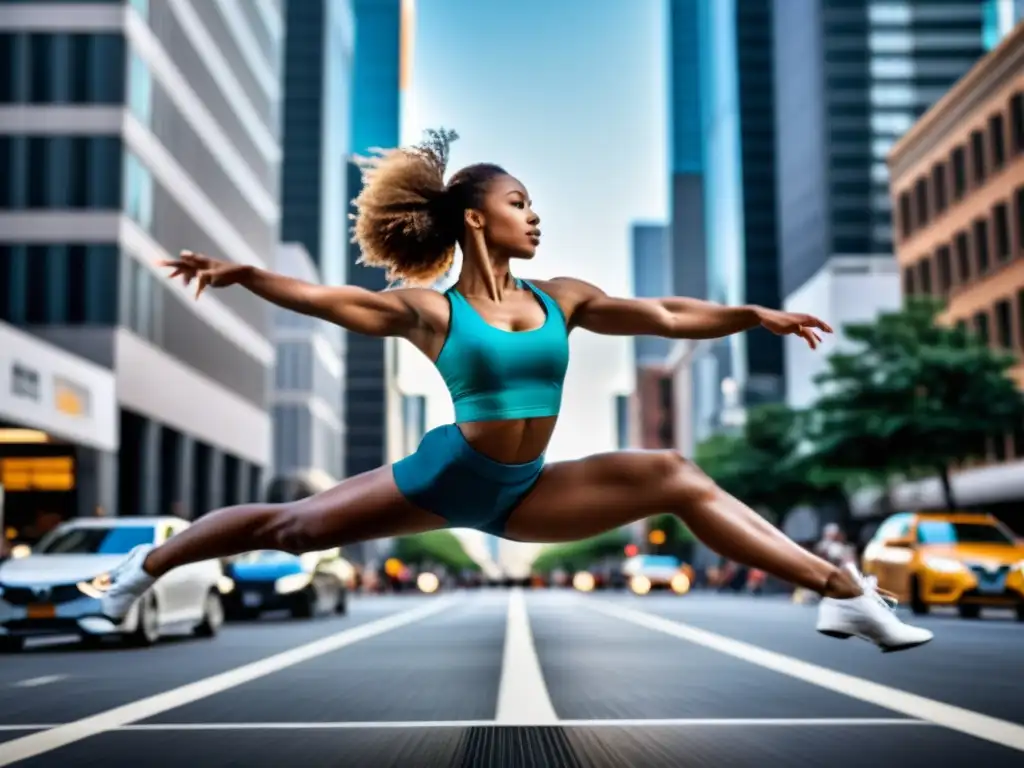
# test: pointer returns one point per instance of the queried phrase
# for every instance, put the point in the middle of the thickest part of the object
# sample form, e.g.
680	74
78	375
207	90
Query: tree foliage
576	555
436	547
914	398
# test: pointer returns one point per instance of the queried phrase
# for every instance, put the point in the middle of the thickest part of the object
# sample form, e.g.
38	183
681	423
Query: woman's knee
683	480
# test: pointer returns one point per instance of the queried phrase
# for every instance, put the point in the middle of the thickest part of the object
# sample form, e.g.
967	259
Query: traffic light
632	550
656	537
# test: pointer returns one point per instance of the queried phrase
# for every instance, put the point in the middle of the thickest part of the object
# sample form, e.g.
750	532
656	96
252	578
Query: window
921	200
112	540
142	7
1001	223
996	126
959	159
891	42
981	244
140	89
892	95
925	271
942	532
1004	324
1020	321
981	326
939	187
1019	205
138	191
908	281
978	157
905	223
1017	122
944	261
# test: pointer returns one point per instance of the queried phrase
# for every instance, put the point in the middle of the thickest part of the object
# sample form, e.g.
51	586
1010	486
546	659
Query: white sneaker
128	583
869	617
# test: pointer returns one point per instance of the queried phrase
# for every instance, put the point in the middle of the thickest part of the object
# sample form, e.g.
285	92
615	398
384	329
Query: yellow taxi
962	559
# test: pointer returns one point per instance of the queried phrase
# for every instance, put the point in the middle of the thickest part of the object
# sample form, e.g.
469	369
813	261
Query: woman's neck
484	275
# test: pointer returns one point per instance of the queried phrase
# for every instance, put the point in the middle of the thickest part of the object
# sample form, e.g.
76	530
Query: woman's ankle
841	585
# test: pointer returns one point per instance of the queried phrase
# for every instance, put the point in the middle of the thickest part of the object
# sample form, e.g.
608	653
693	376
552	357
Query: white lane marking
522	695
801	722
34	682
955	718
62	735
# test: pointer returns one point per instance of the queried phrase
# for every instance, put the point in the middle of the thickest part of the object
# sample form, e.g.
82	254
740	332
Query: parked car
57	588
306	585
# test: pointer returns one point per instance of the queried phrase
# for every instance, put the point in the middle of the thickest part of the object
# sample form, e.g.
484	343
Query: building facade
375	114
130	131
958	189
851	77
307	403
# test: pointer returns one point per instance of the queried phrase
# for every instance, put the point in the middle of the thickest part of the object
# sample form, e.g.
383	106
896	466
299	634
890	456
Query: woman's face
510	224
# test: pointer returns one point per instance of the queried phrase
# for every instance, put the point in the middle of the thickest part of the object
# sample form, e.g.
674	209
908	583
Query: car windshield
113	540
264	556
660	561
941	532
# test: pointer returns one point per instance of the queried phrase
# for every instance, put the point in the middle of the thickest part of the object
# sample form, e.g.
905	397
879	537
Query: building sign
71	399
25	382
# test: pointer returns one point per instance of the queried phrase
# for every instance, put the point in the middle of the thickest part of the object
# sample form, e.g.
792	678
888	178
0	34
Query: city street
535	678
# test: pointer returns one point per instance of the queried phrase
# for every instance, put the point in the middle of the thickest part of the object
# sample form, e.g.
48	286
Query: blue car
306	585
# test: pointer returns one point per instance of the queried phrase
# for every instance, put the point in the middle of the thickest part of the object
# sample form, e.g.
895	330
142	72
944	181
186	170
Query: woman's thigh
577	499
362	508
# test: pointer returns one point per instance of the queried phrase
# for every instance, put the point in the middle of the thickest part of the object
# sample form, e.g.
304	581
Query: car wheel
341	606
917	603
91	641
11	644
304	606
148	630
1020	612
213	616
970	611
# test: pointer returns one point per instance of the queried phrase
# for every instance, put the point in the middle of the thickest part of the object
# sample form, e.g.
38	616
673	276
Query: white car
56	590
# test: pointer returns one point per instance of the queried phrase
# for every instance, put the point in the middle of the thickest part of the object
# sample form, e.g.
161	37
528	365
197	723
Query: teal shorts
450	478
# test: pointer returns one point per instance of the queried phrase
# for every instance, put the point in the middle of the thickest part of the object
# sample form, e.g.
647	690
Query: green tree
915	398
441	547
766	466
576	555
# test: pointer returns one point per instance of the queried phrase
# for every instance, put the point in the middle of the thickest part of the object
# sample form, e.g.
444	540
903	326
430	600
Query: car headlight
944	565
291	583
225	585
96	587
640	585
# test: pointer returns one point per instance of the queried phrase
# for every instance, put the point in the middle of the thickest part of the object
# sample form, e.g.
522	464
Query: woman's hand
205	271
790	323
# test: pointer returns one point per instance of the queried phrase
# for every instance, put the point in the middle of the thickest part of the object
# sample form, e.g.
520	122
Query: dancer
501	344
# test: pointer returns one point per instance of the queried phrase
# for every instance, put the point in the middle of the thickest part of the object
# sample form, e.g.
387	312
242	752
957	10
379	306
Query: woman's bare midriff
515	441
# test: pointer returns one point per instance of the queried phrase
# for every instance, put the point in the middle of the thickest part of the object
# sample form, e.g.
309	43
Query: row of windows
998	325
973	252
969	167
300	369
60	172
75	284
62	68
303	441
59	284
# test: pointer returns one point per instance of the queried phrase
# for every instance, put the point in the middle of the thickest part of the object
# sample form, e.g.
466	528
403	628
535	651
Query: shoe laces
870	586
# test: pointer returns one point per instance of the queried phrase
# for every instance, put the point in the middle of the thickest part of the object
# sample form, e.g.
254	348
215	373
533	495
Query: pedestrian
500	343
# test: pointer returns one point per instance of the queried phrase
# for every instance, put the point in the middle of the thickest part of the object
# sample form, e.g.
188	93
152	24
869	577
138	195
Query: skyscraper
851	77
375	123
724	129
134	131
319	53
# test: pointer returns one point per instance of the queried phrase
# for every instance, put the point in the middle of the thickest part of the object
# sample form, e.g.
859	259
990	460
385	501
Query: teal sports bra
493	374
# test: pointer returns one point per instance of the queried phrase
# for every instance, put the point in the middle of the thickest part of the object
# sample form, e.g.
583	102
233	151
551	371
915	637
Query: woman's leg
365	507
576	499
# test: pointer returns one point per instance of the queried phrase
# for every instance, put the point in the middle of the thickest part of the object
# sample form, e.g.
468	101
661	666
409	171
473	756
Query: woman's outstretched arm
592	309
371	313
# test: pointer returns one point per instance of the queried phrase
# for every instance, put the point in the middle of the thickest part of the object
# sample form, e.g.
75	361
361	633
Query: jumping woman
501	344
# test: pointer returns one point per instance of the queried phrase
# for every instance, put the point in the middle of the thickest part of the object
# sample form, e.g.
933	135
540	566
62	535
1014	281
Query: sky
569	96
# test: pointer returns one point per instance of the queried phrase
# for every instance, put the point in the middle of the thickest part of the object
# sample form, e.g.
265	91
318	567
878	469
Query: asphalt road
535	679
